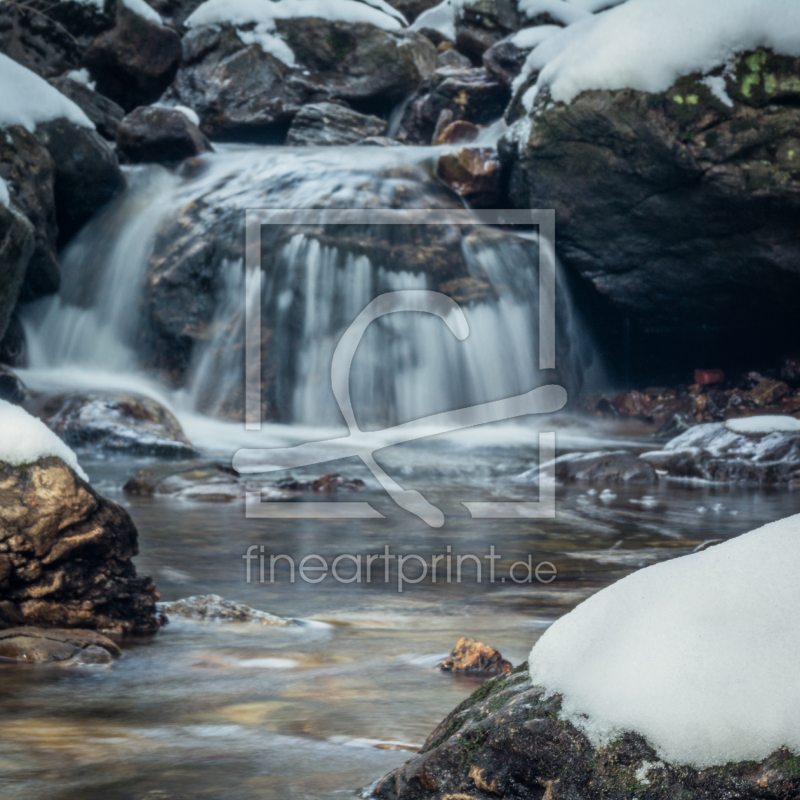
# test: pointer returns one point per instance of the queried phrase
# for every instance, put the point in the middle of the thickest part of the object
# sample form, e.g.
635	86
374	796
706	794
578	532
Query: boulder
28	169
504	60
483	23
715	452
135	61
452	58
151	134
332	124
468	94
240	91
16	246
12	389
474	174
104	113
508	740
616	466
12	345
62	647
66	555
213	608
476	658
87	173
681	207
114	422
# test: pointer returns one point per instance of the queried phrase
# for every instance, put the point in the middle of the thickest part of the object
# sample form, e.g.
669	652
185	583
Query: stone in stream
505	60
159	135
332	124
12	388
103	112
66	555
617	466
507	741
114	422
213	608
52	646
475	658
473	173
16	246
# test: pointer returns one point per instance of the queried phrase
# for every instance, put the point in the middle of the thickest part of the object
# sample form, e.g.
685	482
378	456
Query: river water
321	709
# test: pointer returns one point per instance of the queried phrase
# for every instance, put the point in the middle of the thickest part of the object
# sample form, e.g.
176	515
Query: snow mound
265	12
27	100
648	44
25	439
698	654
764	425
5	198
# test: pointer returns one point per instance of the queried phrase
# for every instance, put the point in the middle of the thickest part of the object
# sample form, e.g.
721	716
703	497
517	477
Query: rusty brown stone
476	657
473	173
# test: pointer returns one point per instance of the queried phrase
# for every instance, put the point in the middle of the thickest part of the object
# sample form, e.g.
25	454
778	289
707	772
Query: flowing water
321	709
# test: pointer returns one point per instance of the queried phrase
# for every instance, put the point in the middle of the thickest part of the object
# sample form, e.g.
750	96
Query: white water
408	365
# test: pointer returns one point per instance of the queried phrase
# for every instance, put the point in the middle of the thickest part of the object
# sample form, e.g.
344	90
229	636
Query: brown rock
458	132
633	404
475	657
12	389
163	135
767	392
66	647
473	173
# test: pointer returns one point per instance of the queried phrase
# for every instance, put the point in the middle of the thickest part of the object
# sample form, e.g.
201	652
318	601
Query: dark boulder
16	246
463	94
66	555
67	648
332	124
617	466
483	23
12	389
504	61
12	345
152	134
135	61
104	113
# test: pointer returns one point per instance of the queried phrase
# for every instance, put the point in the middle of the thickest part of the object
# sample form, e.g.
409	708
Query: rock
508	740
504	60
483	23
64	647
674	426
114	422
240	91
87	173
643	184
104	113
379	141
12	345
714	452
616	466
708	377
474	174
332	124
213	608
452	58
163	135
411	9
65	555
767	393
16	246
135	61
175	12
12	389
458	132
469	94
50	38
476	658
657	405
790	371
328	484
28	169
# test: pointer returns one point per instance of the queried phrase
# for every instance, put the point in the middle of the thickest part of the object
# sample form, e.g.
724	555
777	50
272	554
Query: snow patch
263	35
189	113
716	84
533	37
5	198
559	10
141	9
81	76
27	100
764	425
698	654
25	439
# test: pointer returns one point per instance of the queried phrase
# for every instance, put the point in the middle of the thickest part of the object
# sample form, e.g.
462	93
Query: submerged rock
63	647
332	124
114	422
507	740
162	135
617	466
66	555
476	658
103	112
213	608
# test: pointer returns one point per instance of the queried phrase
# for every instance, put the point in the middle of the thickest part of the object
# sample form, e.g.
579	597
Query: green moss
470	746
692	99
791	766
341	44
678	99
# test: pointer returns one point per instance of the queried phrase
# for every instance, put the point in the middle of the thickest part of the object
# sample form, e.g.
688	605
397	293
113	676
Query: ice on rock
25	439
698	654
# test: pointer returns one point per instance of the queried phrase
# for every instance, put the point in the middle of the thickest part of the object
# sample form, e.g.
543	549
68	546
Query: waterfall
99	331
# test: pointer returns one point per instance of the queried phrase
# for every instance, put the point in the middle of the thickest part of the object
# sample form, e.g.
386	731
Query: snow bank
265	12
5	198
698	654
648	44
764	425
25	439
27	100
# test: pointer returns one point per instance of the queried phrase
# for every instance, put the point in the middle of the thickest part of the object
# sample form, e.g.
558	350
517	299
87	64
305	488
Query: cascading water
107	330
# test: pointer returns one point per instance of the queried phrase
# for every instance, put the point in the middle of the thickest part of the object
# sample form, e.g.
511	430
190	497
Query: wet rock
332	124
213	608
617	466
642	182
66	555
239	90
135	61
505	60
12	389
87	173
468	94
64	647
708	377
104	113
657	405
475	657
328	484
714	452
379	141
114	422
162	135
474	174
50	38
483	23
16	247
767	393
458	132
12	345
474	289
508	740
452	58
